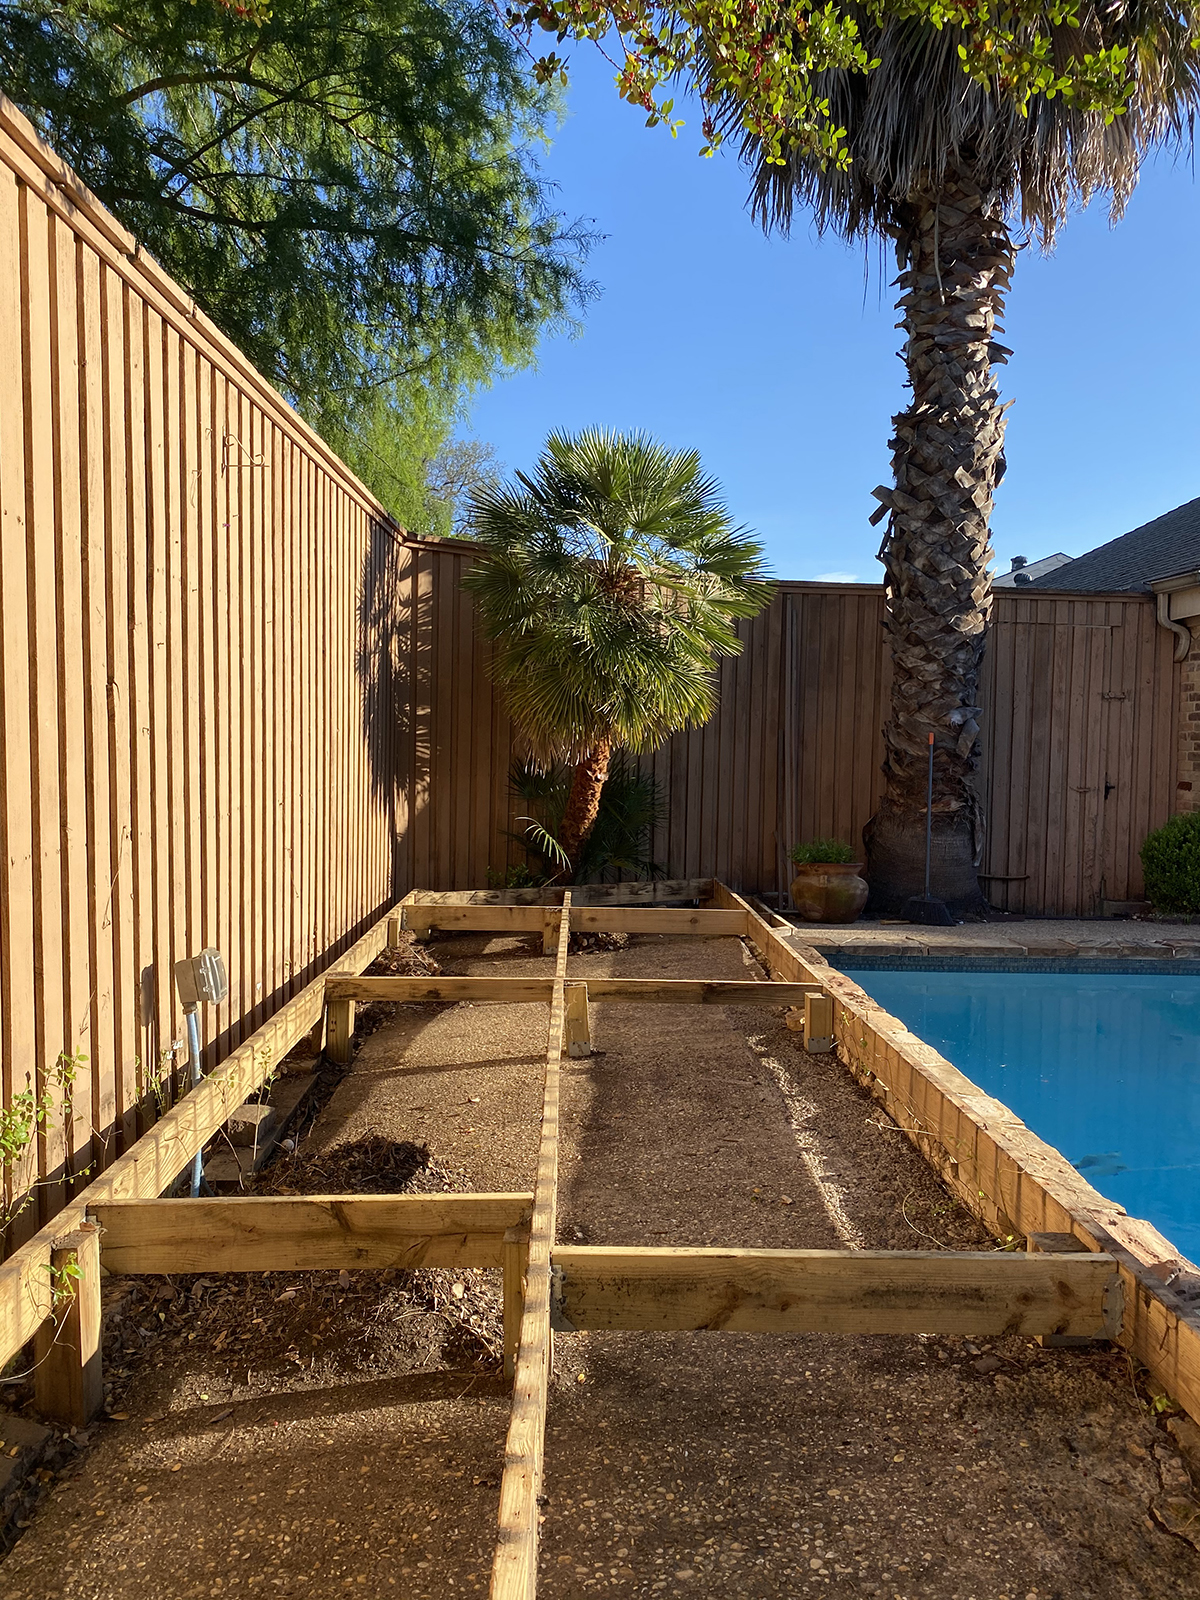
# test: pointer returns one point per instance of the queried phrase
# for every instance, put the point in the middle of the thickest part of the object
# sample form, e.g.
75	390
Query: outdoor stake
924	908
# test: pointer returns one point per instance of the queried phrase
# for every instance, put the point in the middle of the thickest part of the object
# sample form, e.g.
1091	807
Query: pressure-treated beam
835	1291
420	918
638	919
512	991
698	991
166	1149
68	1375
503	991
475	919
514	1567
297	1233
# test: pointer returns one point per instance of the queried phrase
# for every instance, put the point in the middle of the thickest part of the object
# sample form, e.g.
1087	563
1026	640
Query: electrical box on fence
202	978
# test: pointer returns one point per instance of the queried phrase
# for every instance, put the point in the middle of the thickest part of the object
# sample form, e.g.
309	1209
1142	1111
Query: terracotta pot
829	891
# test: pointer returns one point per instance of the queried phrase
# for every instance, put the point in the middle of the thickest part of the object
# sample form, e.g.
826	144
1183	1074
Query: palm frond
915	114
610	578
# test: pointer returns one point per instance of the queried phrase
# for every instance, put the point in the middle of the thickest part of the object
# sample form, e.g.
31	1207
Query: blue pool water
1105	1068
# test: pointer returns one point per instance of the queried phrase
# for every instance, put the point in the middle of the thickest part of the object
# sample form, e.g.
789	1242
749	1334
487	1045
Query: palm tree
946	168
611	579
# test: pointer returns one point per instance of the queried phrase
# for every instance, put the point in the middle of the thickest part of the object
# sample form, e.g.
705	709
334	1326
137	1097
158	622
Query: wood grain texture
638	919
697	991
514	1567
164	517
601	1287
167	1147
301	1233
1001	1171
501	991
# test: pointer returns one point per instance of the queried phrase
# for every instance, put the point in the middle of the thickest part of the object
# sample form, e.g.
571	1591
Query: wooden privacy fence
239	707
1079	698
192	750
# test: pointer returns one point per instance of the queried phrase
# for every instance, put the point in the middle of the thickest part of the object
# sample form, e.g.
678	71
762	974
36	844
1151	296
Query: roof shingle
1158	549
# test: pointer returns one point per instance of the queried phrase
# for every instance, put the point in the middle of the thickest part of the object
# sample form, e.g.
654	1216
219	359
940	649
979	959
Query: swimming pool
1104	1065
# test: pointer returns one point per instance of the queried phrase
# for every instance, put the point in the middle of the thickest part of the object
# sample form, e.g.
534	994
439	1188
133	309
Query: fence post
69	1376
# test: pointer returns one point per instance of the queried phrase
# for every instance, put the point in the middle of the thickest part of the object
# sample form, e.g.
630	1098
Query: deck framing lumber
515	991
1004	1173
601	1287
302	1233
500	991
420	918
68	1375
167	1148
514	1568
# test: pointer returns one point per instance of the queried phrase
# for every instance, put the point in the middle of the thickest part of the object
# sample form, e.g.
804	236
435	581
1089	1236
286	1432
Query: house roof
1169	544
1029	570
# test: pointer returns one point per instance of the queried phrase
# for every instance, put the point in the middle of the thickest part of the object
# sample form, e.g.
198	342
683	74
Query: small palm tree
945	168
611	579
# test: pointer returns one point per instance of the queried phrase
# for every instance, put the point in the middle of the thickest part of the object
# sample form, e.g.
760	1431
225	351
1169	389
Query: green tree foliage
346	186
756	65
620	842
612	578
1171	864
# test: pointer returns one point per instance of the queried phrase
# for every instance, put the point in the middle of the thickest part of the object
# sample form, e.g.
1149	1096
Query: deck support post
1058	1244
818	1023
550	929
515	1258
69	1376
579	1031
393	933
339	1031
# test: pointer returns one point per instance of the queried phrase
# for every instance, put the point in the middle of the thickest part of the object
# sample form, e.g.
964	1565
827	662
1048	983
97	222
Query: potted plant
827	886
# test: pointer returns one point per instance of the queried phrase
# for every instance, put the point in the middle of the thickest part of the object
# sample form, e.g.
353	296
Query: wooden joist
514	991
514	1567
639	919
299	1233
501	991
650	892
162	1153
698	991
420	918
835	1291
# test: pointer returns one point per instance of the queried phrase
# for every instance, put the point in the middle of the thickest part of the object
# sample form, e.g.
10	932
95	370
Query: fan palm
611	579
948	168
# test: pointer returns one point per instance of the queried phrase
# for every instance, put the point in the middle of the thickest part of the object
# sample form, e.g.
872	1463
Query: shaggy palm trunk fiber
948	457
583	802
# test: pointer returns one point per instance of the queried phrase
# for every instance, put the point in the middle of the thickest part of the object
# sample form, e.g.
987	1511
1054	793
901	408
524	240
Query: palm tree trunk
583	802
948	457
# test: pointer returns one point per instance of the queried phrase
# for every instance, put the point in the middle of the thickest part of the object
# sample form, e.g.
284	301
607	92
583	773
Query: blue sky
776	357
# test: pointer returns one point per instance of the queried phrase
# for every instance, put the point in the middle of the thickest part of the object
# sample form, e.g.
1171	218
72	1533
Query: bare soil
331	1433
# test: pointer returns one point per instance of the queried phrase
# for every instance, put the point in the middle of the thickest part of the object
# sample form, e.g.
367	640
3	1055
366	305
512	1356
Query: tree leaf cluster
611	579
620	842
756	64
348	187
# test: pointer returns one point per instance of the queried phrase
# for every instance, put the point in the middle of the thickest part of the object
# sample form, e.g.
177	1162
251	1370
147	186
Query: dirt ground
330	1434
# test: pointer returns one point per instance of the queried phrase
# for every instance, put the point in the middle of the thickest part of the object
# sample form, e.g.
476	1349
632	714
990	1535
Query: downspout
1183	635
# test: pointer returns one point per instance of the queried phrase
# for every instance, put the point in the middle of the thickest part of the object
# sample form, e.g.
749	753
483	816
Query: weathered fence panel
182	735
1079	750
